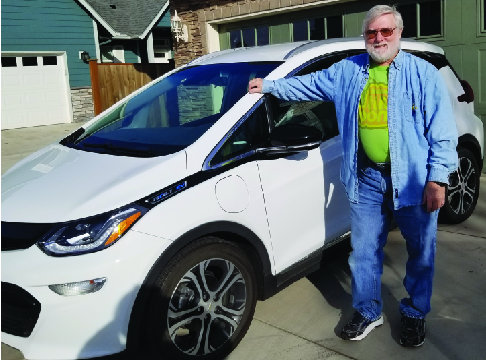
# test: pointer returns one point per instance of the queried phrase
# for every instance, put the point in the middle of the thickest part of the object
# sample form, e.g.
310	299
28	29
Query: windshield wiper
109	146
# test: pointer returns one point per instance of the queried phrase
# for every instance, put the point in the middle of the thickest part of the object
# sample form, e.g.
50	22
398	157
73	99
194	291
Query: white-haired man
399	145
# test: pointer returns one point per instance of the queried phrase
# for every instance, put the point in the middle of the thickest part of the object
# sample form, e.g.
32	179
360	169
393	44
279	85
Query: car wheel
463	189
202	303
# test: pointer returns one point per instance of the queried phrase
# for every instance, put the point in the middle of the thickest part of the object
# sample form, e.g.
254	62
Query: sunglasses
385	32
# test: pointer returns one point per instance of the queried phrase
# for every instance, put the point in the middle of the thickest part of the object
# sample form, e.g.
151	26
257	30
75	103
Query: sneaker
359	327
413	331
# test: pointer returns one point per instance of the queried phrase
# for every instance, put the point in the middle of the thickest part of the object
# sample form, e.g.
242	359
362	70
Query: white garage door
35	90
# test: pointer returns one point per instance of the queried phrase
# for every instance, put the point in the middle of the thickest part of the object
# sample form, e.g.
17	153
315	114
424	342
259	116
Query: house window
334	27
423	19
300	31
49	60
235	39
483	16
430	18
9	61
112	54
318	29
162	50
263	35
162	45
29	61
249	37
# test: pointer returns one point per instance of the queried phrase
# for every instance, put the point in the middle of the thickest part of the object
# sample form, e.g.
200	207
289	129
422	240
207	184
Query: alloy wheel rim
206	307
462	187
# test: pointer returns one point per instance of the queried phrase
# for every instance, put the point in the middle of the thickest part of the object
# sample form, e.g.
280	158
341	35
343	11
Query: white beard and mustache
381	57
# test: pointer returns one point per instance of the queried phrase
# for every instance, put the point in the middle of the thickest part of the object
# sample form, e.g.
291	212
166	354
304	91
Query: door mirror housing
292	138
468	95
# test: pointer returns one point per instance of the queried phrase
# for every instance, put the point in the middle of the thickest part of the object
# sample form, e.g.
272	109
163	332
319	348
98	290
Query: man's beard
382	57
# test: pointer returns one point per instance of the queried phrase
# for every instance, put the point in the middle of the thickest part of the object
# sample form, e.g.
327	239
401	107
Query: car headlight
90	234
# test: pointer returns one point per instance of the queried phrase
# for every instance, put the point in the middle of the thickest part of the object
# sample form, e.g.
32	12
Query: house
46	44
457	26
131	31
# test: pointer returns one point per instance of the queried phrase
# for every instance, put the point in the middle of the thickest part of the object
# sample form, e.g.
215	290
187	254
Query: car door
306	203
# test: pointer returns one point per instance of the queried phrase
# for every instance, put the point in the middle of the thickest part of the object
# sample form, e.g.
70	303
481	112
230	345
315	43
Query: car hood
58	183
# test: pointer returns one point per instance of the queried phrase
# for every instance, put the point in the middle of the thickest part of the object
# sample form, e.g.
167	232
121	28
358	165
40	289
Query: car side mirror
292	138
468	95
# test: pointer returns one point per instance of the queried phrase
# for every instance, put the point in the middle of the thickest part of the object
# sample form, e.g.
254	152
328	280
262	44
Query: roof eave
125	37
97	16
152	23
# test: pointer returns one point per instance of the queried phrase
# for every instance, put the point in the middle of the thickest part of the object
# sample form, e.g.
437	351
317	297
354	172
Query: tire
463	190
187	319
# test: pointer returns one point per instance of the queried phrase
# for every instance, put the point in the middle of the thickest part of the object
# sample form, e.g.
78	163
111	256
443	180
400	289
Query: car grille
16	236
20	310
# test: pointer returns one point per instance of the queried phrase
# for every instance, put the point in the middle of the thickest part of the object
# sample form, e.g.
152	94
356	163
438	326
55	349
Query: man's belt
383	166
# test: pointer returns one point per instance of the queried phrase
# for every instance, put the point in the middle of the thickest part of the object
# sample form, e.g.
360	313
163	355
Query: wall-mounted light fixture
84	55
178	28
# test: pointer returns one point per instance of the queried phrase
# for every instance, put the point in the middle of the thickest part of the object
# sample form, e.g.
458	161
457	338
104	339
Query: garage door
35	90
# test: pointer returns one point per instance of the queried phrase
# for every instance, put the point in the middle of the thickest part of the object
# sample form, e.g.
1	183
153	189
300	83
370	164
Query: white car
158	225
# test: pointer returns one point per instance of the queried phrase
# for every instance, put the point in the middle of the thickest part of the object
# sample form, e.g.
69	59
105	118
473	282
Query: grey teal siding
50	25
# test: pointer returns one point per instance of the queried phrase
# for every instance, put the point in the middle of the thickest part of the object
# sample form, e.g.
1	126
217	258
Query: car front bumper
81	326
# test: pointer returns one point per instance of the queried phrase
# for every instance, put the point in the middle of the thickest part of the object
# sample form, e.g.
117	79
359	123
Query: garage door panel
12	119
54	115
35	95
32	79
52	79
54	97
33	99
9	80
36	117
10	100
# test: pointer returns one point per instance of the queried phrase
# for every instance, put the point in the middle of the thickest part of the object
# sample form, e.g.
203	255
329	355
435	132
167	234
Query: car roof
284	51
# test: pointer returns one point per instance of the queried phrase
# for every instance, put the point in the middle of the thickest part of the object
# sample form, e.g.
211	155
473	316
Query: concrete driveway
302	321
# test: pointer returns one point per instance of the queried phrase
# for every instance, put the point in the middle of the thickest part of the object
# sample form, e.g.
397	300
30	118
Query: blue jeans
370	221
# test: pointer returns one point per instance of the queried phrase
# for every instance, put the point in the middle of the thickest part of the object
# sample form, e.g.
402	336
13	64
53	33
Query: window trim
440	36
343	26
481	19
291	27
419	37
251	27
225	29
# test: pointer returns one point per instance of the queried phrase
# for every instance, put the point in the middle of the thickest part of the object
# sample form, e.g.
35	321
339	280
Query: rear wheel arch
245	239
469	142
463	190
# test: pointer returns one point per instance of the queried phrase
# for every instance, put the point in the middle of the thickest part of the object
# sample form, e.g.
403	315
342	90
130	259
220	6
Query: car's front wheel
202	303
463	190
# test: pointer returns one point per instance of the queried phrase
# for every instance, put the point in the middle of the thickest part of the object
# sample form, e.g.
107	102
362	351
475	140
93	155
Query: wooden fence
112	82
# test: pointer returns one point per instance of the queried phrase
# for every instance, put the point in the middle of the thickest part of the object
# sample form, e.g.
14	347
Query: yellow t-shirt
372	115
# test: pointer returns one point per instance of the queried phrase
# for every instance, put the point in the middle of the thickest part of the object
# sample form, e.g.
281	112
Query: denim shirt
421	126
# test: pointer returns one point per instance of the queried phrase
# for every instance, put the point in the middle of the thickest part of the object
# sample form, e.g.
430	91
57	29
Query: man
399	145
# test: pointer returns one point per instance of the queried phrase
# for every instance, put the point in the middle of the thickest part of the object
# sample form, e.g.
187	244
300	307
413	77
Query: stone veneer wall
195	14
82	102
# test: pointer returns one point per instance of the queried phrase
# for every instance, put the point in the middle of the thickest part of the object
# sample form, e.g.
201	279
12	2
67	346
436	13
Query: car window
318	114
251	134
173	113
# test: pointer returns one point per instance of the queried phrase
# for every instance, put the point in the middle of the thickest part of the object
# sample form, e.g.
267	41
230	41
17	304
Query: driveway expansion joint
303	338
459	233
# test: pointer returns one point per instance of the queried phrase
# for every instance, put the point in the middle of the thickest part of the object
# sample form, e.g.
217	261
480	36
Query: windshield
172	114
